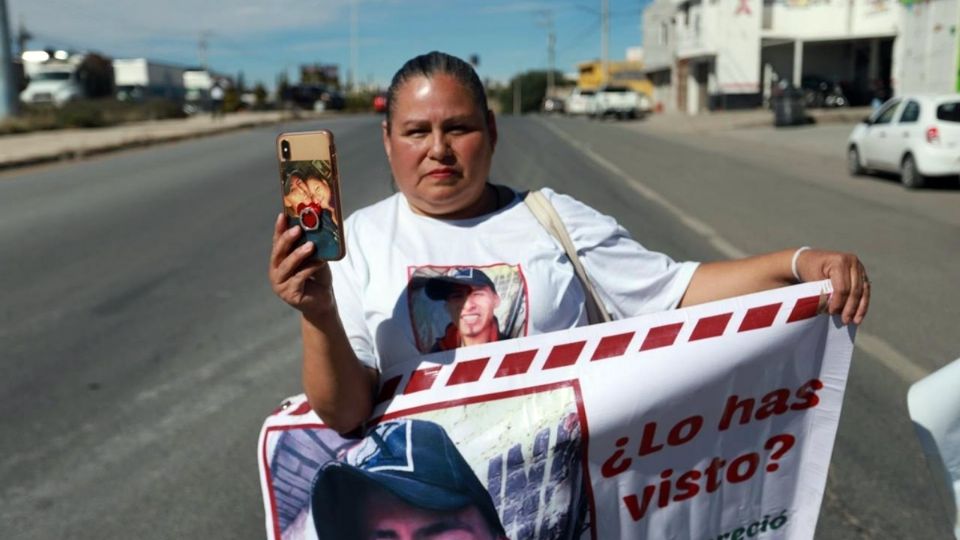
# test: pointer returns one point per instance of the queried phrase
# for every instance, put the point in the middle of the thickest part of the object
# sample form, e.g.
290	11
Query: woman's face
439	145
297	195
318	192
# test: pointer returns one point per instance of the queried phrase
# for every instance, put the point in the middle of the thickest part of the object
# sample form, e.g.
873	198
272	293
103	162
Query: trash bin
788	108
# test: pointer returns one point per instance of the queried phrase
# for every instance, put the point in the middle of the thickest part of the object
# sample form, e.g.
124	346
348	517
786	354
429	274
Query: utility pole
8	91
604	39
354	39
202	44
516	96
23	36
551	49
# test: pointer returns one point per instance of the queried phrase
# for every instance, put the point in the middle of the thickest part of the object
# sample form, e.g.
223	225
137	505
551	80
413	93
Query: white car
581	101
916	136
619	101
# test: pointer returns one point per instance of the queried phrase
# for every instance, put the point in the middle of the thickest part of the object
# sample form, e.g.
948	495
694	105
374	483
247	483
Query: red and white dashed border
539	355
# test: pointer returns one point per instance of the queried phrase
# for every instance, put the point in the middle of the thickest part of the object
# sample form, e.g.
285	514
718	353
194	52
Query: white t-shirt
392	312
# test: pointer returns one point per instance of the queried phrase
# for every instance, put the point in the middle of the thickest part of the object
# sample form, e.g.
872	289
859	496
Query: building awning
656	68
768	39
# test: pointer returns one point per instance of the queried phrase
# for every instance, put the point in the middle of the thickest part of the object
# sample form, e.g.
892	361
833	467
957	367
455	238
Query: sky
263	38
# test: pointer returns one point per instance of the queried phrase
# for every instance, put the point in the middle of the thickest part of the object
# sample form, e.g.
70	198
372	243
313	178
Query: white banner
715	421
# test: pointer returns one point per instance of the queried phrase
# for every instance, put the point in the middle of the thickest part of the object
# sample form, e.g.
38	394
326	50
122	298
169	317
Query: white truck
54	77
57	77
197	83
581	101
138	79
619	101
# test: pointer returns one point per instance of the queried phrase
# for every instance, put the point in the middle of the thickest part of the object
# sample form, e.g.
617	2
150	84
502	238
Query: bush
82	114
533	88
359	102
90	113
160	109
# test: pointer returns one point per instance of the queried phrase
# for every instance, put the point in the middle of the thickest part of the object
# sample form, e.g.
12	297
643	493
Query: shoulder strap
547	215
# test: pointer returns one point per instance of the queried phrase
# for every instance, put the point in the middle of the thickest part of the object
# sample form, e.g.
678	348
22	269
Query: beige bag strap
547	215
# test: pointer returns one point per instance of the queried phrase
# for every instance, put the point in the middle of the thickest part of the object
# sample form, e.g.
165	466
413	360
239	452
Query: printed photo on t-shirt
456	306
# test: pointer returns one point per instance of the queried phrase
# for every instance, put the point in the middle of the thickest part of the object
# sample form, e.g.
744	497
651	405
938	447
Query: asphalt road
142	347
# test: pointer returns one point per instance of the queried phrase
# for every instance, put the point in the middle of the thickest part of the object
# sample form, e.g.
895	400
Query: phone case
310	186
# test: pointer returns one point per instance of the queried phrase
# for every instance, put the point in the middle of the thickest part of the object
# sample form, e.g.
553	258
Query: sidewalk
55	145
825	138
708	122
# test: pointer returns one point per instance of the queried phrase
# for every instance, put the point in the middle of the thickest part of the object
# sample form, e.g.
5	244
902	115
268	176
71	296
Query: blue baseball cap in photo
440	287
414	460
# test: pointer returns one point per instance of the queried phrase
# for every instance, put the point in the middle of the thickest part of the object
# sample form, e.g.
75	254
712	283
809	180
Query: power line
588	31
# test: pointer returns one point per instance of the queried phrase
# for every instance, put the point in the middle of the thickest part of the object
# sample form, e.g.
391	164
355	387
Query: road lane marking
901	366
895	361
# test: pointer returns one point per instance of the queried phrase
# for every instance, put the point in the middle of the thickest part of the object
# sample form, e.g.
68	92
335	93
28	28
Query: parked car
553	105
581	101
619	101
380	102
315	97
917	136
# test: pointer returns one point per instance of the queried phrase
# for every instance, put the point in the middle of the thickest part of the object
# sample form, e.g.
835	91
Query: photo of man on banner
406	479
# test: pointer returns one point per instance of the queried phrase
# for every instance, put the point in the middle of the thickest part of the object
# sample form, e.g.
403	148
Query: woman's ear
385	128
492	129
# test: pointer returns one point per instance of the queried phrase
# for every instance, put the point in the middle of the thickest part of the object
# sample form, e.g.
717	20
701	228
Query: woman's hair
427	65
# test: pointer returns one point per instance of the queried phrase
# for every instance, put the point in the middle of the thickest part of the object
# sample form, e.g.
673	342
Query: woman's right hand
303	283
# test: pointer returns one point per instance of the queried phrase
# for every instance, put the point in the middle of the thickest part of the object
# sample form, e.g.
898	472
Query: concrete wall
659	34
697	28
825	19
664	98
875	17
926	52
738	46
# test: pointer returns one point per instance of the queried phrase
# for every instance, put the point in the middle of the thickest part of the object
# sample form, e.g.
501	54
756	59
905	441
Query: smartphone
310	187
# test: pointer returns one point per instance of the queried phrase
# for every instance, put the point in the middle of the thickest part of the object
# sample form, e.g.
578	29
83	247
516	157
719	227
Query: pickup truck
619	101
580	101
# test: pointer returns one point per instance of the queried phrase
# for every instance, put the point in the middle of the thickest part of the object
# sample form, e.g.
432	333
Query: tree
283	88
533	88
260	93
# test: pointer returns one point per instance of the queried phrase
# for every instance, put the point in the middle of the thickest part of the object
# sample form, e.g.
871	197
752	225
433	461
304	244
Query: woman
447	222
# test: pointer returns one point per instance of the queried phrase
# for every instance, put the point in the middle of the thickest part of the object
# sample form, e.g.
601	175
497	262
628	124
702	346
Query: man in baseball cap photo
404	480
471	300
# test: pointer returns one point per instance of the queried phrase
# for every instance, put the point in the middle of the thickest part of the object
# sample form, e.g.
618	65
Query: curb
83	153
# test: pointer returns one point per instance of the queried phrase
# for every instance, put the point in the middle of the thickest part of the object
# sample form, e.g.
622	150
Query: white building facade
726	54
659	51
926	55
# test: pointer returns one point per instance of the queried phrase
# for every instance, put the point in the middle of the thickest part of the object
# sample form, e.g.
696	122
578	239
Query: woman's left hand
851	286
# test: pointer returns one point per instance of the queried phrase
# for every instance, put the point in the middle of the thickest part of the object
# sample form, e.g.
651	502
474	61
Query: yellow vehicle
619	73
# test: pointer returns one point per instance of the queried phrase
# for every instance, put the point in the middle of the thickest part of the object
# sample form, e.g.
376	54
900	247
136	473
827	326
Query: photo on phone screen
310	201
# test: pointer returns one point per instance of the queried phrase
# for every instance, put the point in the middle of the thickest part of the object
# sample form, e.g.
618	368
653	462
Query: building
726	54
659	50
926	54
850	42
